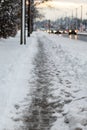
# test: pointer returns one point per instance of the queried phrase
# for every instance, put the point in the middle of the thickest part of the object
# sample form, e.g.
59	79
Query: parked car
74	32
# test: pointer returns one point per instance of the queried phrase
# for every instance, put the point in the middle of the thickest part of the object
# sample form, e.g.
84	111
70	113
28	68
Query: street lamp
29	17
49	25
81	17
23	22
76	19
81	12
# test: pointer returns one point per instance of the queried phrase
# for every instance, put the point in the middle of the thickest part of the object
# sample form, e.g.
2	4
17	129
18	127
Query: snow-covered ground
68	56
15	69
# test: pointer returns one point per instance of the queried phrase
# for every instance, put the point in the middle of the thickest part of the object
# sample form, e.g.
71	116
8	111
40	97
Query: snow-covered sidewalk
69	60
15	71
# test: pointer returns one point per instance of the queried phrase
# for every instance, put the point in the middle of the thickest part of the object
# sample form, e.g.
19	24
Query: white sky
62	8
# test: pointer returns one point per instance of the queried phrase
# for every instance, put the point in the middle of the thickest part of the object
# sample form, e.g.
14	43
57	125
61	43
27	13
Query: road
82	37
77	37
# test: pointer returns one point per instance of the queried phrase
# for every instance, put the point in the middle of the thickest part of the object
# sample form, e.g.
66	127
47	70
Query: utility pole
32	15
81	18
29	18
49	25
23	22
76	18
66	20
21	35
81	12
72	21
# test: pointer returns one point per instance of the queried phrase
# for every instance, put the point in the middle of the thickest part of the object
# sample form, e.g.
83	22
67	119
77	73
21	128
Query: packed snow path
51	89
41	113
41	110
43	84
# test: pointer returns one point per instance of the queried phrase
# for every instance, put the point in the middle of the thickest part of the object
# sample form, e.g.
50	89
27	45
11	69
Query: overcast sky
61	8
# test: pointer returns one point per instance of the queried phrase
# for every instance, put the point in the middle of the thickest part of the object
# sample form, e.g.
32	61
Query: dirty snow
69	60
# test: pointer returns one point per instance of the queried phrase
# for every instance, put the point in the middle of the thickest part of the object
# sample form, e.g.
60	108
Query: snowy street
43	84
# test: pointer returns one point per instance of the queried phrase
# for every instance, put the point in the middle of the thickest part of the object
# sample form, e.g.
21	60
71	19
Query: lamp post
81	12
49	25
23	22
81	18
76	19
29	18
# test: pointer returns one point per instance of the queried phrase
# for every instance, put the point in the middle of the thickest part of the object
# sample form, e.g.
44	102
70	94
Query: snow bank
15	71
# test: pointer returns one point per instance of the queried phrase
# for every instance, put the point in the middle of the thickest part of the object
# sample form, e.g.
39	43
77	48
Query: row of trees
63	24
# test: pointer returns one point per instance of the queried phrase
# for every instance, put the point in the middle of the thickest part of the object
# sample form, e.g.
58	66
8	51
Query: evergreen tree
9	20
